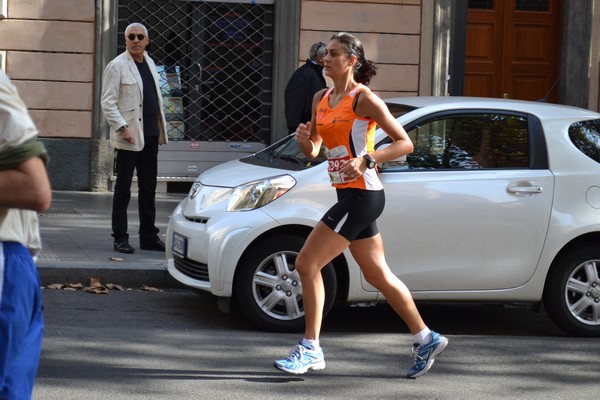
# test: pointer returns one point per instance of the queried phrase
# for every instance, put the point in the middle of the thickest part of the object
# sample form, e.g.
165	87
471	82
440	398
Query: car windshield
285	154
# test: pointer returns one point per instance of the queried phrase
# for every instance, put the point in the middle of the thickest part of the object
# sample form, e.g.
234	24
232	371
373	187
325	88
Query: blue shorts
21	321
354	215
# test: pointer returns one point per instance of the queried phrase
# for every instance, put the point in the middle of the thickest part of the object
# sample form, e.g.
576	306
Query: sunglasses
139	36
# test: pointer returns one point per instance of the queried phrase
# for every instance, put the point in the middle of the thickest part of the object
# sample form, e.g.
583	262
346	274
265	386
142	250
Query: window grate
215	61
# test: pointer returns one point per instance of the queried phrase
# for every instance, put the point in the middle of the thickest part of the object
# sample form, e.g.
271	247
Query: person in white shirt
24	190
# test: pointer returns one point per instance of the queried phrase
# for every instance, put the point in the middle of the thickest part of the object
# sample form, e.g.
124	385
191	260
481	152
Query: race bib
336	158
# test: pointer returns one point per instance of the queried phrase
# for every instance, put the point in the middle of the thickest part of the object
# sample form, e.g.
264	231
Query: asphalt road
177	345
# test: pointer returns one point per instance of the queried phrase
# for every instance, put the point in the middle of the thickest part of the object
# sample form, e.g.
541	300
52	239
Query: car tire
268	288
572	292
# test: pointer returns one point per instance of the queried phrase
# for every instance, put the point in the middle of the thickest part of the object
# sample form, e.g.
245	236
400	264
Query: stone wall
48	49
390	31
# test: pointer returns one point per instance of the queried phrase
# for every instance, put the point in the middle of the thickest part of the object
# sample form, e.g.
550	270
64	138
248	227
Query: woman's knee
382	281
375	280
305	266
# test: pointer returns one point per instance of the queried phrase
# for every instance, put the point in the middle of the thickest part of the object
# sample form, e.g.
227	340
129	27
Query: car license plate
179	244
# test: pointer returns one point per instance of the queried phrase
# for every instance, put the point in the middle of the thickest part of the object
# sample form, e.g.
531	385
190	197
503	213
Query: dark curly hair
364	69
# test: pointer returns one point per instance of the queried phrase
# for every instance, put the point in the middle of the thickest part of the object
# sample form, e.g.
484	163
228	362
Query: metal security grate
47	254
215	61
60	212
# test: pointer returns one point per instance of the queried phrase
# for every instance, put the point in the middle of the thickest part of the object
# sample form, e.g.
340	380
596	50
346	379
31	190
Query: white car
499	202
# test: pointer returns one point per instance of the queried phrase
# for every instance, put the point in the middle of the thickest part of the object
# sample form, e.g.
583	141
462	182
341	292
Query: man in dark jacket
302	86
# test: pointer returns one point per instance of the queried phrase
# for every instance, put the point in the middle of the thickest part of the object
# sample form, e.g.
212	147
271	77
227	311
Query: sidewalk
77	242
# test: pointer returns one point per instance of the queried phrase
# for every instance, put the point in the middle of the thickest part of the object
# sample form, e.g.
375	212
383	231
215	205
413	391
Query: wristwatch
370	162
122	129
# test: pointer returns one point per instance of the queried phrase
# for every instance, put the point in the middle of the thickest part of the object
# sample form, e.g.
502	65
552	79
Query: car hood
234	173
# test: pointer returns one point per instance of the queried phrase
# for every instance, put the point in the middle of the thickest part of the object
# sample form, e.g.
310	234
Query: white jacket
122	99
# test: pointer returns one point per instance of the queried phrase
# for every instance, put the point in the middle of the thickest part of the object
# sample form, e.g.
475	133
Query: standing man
24	189
302	86
132	104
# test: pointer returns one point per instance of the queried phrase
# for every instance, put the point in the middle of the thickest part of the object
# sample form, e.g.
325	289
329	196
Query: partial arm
111	84
26	187
370	105
295	99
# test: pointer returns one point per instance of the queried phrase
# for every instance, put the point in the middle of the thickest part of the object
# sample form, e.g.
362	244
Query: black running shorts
354	215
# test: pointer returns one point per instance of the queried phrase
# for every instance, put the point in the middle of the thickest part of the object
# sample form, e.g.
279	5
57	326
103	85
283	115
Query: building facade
224	65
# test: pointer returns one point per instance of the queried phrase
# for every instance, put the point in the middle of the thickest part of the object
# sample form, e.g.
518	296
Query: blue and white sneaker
301	360
425	354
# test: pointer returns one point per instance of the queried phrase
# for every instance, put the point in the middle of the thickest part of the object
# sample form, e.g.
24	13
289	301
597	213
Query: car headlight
207	196
256	194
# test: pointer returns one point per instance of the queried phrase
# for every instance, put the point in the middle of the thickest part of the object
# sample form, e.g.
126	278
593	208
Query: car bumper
213	247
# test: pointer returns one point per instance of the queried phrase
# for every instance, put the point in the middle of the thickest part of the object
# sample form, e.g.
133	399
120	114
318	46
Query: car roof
542	109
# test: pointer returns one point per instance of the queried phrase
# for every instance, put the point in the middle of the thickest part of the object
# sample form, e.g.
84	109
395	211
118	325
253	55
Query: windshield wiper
289	158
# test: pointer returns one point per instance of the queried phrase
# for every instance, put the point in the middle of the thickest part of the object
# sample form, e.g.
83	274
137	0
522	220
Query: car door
468	210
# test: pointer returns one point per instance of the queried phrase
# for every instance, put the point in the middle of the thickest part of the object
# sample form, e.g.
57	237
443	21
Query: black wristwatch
370	162
122	129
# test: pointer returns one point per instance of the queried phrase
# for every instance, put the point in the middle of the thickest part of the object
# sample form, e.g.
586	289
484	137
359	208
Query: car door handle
527	190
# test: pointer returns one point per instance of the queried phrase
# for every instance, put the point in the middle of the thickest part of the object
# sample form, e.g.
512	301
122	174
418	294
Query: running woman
344	119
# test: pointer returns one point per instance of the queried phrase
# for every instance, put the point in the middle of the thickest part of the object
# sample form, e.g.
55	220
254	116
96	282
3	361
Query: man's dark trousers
145	163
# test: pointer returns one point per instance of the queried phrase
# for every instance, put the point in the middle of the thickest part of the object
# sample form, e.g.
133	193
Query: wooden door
513	49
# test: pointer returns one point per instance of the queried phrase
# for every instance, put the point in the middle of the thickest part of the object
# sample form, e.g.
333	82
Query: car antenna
545	98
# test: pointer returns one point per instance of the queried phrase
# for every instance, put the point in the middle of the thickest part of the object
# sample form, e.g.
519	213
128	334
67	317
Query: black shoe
157	245
123	247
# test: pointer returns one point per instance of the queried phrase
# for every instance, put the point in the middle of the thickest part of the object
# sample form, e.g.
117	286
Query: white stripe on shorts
338	227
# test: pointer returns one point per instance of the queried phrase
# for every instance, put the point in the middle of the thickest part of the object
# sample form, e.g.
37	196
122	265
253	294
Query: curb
131	275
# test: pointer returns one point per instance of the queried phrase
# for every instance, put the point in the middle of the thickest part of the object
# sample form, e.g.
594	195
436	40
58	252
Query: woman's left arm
370	105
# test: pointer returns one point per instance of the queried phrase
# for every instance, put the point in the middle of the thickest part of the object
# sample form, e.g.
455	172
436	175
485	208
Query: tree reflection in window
585	135
470	141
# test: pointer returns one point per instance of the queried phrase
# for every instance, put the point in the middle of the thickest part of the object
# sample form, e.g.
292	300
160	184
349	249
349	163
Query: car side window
585	135
468	141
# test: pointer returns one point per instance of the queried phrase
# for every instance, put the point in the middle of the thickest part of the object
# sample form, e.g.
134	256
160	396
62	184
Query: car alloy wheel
582	293
268	287
572	293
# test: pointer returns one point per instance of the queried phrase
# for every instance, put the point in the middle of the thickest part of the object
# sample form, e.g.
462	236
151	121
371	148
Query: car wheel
572	292
268	288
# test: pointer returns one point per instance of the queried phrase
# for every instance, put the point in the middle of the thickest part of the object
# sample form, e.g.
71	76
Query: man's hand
127	136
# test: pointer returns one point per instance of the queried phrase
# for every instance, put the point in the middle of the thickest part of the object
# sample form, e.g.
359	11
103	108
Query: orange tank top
346	135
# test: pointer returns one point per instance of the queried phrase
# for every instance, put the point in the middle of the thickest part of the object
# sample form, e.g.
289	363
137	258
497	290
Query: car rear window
585	135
